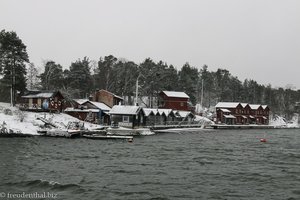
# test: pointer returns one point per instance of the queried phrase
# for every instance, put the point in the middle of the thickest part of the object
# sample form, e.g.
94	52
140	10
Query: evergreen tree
13	56
208	87
125	75
188	81
148	79
170	78
104	77
80	79
167	77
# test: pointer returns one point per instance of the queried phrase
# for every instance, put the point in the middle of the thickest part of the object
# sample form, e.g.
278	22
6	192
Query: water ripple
222	164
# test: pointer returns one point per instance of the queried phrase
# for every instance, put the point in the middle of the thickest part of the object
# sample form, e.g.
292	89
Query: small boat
63	133
128	131
104	137
74	129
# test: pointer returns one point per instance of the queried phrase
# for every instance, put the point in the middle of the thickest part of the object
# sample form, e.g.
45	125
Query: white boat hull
131	132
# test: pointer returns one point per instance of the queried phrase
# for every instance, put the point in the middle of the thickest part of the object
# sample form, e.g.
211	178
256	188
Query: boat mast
201	100
137	90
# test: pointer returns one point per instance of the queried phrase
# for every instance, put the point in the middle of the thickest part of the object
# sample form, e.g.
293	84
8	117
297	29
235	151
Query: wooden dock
250	126
105	137
161	127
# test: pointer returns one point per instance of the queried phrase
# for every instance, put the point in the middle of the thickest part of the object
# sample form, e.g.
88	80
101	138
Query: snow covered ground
281	122
11	117
203	119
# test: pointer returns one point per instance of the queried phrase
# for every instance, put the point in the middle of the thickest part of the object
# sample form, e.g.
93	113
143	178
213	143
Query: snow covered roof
184	113
79	110
100	105
254	106
148	111
176	94
244	104
39	95
229	116
161	112
264	106
124	110
156	111
227	104
166	111
80	101
225	110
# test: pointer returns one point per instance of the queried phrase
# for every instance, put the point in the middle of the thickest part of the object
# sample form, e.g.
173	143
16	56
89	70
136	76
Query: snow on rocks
26	122
281	122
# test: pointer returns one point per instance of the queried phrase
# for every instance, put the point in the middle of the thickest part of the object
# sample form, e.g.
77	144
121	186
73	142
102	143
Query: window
126	119
181	103
142	119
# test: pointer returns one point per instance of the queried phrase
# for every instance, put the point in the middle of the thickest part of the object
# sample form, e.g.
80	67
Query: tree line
119	76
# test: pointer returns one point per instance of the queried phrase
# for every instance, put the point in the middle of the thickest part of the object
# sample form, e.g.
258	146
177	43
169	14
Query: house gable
174	100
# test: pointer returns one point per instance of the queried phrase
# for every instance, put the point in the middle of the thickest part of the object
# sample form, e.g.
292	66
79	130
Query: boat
94	131
104	137
121	131
74	129
63	133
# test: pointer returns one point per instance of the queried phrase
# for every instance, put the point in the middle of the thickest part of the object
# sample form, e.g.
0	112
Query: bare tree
32	77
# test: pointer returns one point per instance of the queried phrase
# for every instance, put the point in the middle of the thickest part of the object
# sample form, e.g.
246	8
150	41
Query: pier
250	126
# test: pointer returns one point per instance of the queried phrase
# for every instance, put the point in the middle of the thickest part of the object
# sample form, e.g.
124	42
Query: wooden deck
161	127
250	126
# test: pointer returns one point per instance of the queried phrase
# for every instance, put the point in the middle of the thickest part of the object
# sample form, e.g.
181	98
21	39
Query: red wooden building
246	113
174	100
107	98
94	112
43	101
260	113
229	112
241	113
266	114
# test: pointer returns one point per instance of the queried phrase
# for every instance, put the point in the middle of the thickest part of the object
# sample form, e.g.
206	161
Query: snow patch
27	122
281	122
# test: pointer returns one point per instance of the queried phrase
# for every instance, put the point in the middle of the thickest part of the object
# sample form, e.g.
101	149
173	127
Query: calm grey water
209	164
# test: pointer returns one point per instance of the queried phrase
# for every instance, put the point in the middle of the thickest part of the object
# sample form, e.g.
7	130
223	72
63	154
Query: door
39	103
30	103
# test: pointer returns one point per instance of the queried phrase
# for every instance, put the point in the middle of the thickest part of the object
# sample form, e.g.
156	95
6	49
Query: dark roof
111	94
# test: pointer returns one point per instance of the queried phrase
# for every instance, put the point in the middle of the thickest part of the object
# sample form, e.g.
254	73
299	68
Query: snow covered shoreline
26	122
17	121
281	122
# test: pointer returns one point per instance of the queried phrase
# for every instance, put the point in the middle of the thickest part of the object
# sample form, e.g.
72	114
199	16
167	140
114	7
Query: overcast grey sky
256	39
